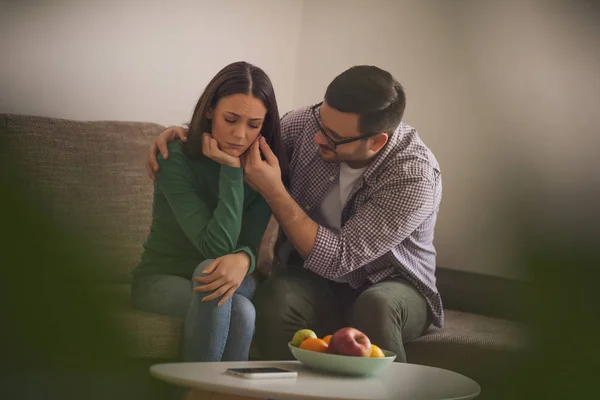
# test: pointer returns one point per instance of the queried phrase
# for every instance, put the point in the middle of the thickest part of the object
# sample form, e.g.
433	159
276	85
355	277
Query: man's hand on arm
160	144
264	176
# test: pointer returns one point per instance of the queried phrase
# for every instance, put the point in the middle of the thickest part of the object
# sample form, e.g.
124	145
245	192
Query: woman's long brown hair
239	78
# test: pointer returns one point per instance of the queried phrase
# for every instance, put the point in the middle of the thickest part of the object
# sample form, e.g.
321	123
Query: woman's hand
160	144
224	275
210	148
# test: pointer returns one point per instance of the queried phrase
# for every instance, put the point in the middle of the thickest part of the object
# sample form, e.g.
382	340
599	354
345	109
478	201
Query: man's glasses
333	142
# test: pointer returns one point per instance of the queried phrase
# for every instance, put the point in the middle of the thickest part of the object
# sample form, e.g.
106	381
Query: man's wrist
298	226
277	192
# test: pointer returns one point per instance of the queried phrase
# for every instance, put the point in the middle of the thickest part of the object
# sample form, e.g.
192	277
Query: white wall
140	60
492	87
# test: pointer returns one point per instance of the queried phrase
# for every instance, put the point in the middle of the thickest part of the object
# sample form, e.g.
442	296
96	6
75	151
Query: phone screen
259	370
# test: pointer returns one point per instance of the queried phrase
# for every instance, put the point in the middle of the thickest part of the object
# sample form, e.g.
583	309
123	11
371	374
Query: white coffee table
398	381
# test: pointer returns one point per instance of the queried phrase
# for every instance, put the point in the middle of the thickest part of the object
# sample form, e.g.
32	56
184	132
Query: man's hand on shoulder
160	144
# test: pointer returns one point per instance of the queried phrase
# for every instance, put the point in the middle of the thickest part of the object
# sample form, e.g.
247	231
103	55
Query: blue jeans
210	333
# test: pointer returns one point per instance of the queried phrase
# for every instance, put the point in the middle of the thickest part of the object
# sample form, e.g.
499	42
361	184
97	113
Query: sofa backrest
92	175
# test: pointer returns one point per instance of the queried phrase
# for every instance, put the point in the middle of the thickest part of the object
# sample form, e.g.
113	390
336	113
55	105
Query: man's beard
328	156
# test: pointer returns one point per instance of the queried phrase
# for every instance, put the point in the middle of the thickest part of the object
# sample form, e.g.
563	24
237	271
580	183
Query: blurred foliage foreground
58	340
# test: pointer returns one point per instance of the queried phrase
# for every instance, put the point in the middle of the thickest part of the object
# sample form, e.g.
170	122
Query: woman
199	256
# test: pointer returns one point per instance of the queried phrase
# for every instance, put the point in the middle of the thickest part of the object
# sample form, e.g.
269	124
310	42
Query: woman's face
236	122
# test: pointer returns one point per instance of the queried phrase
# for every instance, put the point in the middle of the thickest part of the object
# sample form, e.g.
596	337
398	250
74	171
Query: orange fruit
376	352
315	344
327	339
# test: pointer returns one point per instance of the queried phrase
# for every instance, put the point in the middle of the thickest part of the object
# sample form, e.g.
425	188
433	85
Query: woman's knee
201	267
198	274
243	310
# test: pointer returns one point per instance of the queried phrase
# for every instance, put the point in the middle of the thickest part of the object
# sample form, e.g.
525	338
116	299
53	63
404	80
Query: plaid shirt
388	221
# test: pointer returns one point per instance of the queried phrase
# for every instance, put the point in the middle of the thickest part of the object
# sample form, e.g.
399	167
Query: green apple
302	335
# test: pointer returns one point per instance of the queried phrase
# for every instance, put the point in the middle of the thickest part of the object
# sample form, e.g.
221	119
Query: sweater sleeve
255	220
213	231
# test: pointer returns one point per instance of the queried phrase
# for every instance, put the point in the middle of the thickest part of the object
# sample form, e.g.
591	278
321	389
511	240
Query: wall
144	60
499	90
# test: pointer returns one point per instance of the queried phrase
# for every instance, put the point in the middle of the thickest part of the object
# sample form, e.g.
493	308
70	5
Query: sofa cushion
89	175
473	329
471	344
150	335
147	335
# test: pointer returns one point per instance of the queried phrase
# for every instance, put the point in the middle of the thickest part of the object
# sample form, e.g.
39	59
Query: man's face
340	126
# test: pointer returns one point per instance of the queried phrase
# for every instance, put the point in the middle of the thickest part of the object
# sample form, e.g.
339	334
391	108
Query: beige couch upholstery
93	174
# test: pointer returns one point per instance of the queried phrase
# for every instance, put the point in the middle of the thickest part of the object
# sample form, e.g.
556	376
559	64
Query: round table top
398	381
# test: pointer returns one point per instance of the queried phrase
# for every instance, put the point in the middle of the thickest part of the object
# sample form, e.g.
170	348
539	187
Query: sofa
93	178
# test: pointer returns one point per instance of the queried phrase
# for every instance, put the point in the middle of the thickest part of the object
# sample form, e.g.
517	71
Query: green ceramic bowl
359	366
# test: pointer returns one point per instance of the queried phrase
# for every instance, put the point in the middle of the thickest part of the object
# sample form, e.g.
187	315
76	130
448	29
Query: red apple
350	342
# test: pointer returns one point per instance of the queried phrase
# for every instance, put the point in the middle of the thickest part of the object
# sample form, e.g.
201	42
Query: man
358	218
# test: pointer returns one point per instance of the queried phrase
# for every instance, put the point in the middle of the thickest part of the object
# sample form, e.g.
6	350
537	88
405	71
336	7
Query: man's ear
378	141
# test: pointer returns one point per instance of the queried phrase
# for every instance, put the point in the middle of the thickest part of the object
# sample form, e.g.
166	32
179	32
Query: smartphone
262	373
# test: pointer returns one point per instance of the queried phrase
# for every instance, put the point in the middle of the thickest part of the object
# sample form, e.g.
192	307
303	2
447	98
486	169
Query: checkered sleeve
395	210
292	124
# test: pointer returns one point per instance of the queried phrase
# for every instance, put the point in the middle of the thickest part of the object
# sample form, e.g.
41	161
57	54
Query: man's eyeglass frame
336	143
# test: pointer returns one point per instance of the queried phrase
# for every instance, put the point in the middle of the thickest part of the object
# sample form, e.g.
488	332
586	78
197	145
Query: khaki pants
389	313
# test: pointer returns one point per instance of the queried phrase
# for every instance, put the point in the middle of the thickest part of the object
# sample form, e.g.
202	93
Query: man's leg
292	299
390	313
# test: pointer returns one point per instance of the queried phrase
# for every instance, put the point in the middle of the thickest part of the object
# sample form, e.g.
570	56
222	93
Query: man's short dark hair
372	93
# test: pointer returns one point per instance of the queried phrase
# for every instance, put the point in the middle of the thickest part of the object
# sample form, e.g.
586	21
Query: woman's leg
207	327
162	294
241	326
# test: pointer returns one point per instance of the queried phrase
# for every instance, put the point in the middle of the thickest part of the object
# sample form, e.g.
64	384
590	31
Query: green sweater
202	210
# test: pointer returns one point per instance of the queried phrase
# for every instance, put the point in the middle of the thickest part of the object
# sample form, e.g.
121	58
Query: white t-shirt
329	213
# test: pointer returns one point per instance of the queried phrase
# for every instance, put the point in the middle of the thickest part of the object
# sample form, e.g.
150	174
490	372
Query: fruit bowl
346	365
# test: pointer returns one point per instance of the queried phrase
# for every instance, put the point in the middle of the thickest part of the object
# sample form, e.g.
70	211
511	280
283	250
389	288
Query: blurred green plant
57	334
